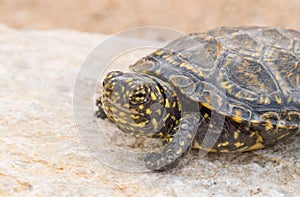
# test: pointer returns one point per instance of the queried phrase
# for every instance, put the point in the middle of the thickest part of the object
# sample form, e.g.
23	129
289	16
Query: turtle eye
139	95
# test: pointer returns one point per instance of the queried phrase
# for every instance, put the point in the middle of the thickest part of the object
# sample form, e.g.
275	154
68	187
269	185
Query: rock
45	152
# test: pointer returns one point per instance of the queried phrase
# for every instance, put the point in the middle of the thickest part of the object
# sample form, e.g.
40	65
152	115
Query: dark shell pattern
247	74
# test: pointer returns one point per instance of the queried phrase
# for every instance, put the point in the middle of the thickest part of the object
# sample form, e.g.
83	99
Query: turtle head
140	105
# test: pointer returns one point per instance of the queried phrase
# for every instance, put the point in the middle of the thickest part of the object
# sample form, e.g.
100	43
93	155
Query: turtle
229	89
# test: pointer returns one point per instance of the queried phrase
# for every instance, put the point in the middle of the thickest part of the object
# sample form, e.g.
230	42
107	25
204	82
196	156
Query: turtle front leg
178	147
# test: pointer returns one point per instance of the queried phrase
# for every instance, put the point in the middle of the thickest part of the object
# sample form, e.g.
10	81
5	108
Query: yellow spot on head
121	121
157	88
166	117
174	105
160	134
122	114
128	80
153	96
114	110
148	111
167	104
155	123
142	124
141	106
134	116
236	135
108	93
158	111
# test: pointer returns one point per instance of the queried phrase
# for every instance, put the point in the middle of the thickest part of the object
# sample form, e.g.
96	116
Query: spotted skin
178	147
140	105
249	77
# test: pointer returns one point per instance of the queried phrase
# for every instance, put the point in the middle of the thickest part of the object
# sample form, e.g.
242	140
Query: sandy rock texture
43	152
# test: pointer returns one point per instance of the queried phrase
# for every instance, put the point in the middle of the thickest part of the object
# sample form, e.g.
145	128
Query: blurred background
111	16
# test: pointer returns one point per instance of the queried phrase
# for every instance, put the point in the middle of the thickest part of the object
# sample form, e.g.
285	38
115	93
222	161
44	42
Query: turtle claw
152	160
155	161
100	112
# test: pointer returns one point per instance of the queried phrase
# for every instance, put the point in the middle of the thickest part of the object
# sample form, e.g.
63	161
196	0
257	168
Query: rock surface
43	152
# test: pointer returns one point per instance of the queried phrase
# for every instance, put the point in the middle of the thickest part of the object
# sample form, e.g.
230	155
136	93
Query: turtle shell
246	73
